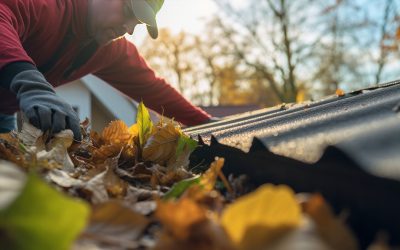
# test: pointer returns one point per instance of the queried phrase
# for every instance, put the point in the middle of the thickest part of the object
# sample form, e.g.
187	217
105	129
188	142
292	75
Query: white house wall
120	106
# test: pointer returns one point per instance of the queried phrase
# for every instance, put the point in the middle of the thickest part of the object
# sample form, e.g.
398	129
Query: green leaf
180	187
41	218
183	141
144	122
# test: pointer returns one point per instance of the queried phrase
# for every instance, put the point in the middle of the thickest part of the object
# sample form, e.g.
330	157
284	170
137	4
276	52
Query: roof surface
345	147
365	124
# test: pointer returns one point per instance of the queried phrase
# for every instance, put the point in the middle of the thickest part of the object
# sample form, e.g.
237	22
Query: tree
171	56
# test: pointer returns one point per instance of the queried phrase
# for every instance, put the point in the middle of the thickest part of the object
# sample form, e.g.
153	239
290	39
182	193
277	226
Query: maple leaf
256	219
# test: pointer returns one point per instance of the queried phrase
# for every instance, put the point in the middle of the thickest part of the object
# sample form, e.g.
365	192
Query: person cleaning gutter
47	43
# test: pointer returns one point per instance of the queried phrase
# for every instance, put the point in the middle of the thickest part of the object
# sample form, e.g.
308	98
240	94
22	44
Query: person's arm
37	98
129	73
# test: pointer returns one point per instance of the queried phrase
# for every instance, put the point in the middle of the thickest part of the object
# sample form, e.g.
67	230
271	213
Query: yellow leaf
256	219
134	130
116	132
301	96
161	145
207	181
209	178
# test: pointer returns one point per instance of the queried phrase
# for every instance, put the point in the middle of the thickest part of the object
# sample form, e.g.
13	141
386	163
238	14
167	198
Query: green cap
145	11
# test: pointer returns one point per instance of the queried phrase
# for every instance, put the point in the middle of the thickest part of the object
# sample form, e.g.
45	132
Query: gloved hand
40	104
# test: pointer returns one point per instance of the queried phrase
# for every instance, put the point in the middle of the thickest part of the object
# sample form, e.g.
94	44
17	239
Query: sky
180	15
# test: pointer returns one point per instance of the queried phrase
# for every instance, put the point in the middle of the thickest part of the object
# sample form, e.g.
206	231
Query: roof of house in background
228	110
345	147
111	98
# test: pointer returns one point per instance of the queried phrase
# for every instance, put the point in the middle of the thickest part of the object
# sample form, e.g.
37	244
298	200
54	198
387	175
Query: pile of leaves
129	188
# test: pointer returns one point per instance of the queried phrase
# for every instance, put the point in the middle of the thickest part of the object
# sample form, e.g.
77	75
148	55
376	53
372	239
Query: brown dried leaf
161	145
95	189
114	226
178	216
106	151
57	156
31	136
204	235
115	186
9	150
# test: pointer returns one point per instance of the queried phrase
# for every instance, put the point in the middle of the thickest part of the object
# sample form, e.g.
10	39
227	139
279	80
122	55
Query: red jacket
52	35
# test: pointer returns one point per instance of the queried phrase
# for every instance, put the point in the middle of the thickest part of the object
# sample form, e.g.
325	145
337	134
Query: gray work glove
40	104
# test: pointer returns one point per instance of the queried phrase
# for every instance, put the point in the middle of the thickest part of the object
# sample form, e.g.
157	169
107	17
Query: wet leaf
41	218
256	219
144	123
161	145
331	229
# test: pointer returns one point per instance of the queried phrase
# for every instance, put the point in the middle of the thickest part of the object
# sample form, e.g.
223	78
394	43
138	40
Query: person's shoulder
121	45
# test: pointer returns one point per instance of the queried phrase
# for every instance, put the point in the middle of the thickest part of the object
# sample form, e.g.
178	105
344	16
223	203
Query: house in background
93	98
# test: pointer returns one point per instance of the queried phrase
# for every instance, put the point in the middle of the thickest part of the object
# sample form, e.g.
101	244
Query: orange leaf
116	132
106	151
178	216
340	92
331	229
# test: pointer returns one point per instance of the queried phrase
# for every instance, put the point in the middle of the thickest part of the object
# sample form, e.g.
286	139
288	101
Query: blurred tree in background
272	51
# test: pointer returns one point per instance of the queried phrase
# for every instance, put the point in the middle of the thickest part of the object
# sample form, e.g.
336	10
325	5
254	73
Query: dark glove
40	104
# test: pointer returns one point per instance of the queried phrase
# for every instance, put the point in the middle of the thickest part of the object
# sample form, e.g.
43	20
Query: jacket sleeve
129	73
11	49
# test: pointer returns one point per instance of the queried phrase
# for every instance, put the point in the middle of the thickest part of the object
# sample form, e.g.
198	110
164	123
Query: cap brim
153	31
145	14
